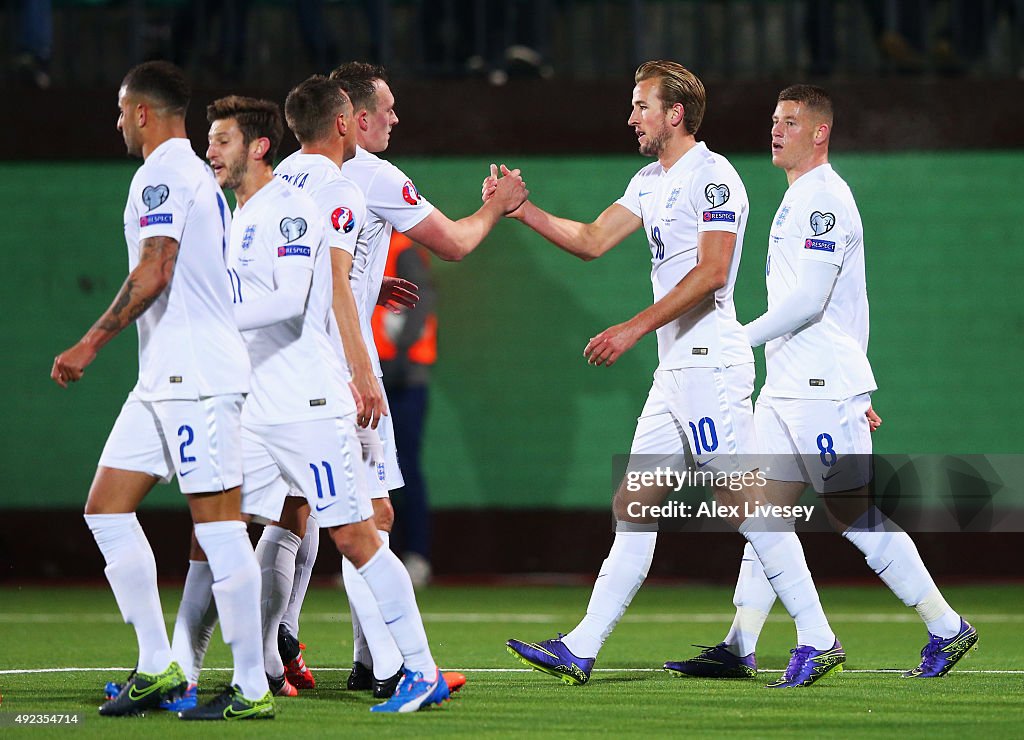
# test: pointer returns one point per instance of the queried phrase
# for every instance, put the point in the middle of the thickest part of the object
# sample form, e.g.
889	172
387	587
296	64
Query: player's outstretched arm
157	258
346	314
714	257
453	240
586	241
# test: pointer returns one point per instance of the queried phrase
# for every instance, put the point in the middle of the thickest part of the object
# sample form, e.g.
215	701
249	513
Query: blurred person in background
406	342
35	42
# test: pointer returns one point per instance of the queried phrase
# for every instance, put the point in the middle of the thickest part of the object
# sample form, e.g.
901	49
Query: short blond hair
677	84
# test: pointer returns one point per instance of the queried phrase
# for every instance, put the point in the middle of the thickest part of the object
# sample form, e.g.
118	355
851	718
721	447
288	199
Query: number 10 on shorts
705	438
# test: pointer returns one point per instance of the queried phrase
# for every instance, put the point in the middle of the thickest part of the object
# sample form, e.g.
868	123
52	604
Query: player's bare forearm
698	286
586	241
714	257
453	240
566	234
346	314
157	258
469	232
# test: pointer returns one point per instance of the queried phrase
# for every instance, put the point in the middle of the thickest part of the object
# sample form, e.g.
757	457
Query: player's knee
621	508
356	542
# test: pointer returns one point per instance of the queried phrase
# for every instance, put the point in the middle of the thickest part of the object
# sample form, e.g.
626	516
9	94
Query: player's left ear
259	147
342	124
821	133
141	114
678	115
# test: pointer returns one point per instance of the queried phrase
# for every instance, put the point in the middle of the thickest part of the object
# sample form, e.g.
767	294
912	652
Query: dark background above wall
466	117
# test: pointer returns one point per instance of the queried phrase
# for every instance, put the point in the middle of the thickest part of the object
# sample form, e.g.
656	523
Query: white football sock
379	649
391	586
361	652
131	572
236	589
894	558
275	552
305	559
622	573
197	616
753	598
782	557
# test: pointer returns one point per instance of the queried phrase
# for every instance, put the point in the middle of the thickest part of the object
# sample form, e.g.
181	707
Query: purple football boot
807	665
941	654
554	658
715	662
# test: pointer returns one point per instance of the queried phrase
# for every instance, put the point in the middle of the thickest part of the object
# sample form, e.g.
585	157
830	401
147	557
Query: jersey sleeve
718	198
299	232
825	229
630	200
161	201
393	197
344	213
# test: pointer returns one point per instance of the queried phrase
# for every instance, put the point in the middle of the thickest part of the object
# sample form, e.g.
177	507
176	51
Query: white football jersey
189	345
818	220
701	192
340	201
296	371
392	201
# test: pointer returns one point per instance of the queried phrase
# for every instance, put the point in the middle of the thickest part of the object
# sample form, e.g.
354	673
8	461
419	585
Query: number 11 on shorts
328	473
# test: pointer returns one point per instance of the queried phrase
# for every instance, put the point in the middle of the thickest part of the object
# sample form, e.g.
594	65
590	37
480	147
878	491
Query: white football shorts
319	458
200	441
824	443
380	461
703	411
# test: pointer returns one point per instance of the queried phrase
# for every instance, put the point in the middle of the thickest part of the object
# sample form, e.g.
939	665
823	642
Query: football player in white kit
392	202
298	421
319	113
183	416
693	209
811	414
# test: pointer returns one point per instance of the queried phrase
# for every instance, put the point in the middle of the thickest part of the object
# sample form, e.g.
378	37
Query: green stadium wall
517	418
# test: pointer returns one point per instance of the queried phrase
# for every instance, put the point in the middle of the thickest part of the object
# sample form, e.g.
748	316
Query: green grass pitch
78	629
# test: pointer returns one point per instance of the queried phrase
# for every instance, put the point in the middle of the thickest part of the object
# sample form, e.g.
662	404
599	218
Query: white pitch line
526	618
116	669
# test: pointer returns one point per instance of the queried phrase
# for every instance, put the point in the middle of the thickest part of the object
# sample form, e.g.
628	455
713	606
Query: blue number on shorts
768	266
185	429
659	253
828	455
330	479
705	438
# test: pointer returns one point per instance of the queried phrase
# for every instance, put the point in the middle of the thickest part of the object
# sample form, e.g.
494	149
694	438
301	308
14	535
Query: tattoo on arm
157	258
